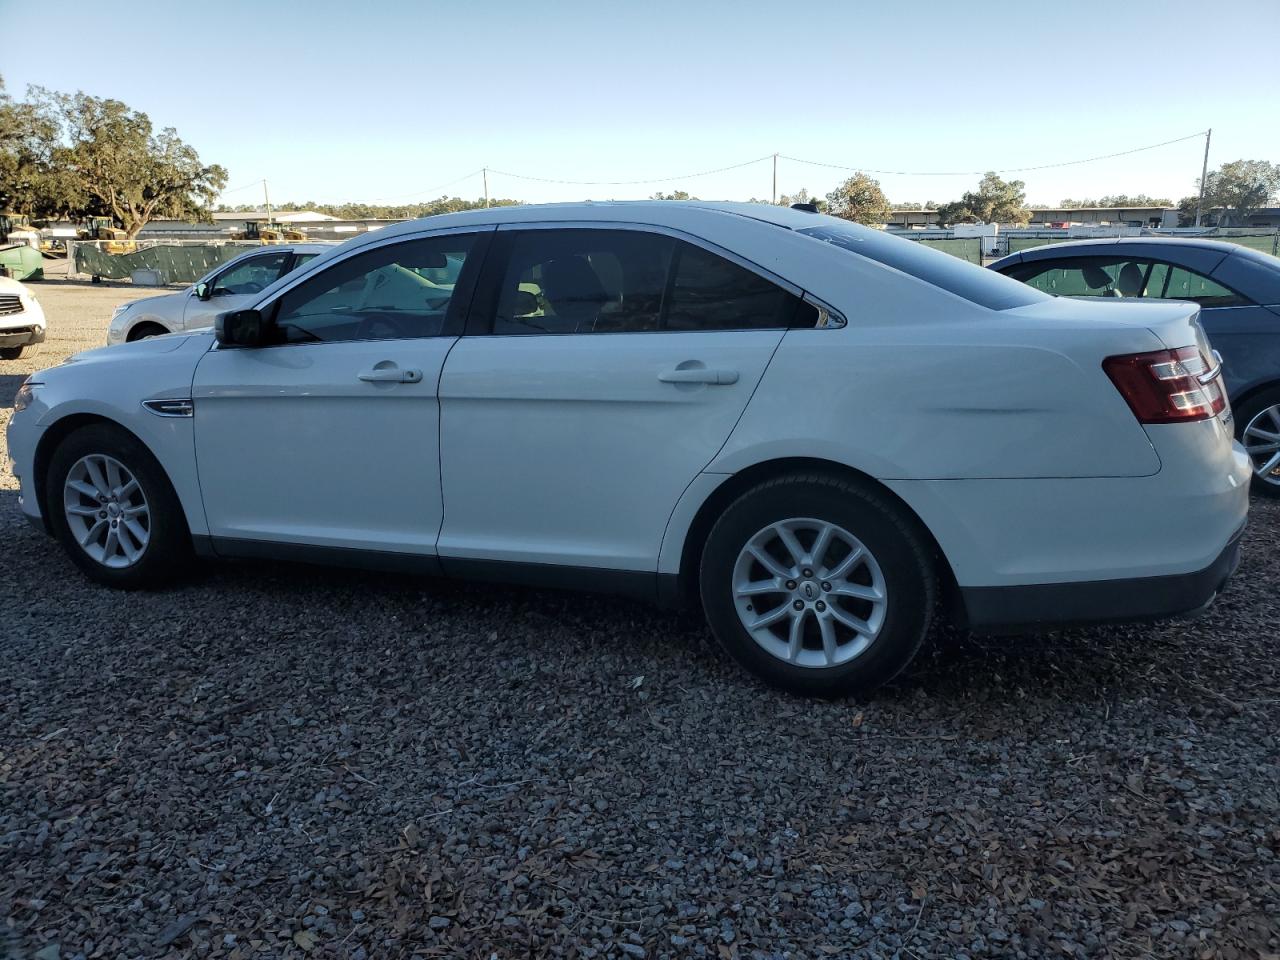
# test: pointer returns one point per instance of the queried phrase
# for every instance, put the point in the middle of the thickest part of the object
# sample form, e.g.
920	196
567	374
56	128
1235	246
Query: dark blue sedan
1238	290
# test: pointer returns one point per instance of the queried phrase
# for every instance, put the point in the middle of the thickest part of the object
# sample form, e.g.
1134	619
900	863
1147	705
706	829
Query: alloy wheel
1262	442
809	593
106	511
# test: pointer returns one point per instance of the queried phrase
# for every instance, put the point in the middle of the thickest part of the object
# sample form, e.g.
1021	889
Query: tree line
74	156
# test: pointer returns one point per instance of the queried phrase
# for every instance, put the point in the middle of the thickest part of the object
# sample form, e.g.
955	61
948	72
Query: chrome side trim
176	407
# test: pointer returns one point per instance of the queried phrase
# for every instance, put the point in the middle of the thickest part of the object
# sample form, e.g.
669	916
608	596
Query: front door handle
390	374
699	374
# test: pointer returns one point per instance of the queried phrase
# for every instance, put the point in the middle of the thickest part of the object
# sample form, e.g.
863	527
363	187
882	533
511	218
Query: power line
978	173
418	193
629	183
255	183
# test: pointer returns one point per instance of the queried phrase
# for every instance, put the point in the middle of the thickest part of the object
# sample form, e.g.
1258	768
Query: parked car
233	285
815	429
22	323
1238	291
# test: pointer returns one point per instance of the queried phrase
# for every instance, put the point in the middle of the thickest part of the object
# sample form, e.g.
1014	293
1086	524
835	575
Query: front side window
627	281
250	276
1087	276
397	291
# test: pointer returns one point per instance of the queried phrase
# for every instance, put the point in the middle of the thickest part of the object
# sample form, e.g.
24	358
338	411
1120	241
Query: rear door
609	368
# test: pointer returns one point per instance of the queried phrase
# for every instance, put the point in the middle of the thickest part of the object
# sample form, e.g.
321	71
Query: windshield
976	284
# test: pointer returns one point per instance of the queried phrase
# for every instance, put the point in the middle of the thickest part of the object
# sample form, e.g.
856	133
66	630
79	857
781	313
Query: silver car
231	286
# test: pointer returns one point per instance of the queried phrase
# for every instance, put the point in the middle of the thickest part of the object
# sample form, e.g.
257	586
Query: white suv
233	285
22	323
820	432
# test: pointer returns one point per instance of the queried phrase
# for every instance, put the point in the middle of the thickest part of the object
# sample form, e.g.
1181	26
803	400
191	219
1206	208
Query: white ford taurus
823	433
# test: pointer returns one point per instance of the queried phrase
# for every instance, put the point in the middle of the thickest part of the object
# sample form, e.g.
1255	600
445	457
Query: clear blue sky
334	101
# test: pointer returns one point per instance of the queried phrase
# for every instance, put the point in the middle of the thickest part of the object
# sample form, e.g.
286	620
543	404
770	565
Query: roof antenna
811	207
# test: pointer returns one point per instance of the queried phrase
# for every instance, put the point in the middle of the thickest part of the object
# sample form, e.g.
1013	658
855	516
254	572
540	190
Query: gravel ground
279	761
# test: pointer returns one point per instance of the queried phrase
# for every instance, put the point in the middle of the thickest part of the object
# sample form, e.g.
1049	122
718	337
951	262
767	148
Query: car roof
636	211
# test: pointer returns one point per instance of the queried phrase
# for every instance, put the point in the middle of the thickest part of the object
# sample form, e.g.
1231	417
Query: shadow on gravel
9	384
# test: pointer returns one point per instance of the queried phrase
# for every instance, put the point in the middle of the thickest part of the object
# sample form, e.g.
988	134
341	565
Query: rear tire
1257	420
114	510
19	353
844	616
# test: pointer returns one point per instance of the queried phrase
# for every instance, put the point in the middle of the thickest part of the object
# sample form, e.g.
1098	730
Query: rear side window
1188	285
627	281
975	284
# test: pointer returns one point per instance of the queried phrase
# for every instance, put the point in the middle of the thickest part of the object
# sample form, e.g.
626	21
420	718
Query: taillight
1168	386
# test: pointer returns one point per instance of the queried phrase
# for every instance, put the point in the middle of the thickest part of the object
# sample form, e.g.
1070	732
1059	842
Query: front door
613	367
329	437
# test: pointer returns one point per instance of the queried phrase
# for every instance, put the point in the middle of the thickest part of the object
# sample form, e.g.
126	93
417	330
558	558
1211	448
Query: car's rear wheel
19	353
1259	420
818	585
114	509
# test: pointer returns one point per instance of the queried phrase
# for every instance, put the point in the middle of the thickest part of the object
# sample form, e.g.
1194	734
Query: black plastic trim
232	548
1038	607
663	589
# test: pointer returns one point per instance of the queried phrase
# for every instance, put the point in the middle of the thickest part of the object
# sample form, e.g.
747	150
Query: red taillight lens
1168	386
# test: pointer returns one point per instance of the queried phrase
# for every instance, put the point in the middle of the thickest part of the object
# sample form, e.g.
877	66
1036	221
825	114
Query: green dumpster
22	262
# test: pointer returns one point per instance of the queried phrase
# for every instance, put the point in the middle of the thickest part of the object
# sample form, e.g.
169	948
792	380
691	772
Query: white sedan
232	285
822	433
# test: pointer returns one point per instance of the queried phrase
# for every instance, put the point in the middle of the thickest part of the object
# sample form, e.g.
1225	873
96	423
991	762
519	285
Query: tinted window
976	284
712	293
627	281
300	258
1188	285
1122	277
1093	277
250	276
396	291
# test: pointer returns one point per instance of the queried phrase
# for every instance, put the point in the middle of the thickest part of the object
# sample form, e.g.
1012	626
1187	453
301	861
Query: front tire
818	585
114	510
1259	423
26	351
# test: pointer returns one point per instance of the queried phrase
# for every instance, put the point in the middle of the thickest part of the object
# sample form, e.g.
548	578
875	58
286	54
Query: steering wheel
251	286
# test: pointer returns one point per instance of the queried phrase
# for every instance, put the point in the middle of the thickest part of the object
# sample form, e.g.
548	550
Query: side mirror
202	291
241	328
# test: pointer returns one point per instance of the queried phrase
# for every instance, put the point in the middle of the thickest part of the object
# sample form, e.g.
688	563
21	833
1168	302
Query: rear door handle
699	374
380	374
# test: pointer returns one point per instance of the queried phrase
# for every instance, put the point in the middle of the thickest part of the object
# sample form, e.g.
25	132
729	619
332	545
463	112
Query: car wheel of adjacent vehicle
145	331
1259	422
114	509
818	585
19	353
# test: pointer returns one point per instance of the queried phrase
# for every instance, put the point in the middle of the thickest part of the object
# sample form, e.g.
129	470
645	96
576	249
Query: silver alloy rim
1262	441
809	592
107	511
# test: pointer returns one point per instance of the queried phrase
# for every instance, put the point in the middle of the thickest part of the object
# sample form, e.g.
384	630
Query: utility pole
485	172
1204	172
266	197
775	178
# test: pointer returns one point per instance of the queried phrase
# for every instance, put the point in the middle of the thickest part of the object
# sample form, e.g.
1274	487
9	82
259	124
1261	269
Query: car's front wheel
113	508
19	353
818	585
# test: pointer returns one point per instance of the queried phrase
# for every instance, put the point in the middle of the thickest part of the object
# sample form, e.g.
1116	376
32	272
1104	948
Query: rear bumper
21	336
1032	607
